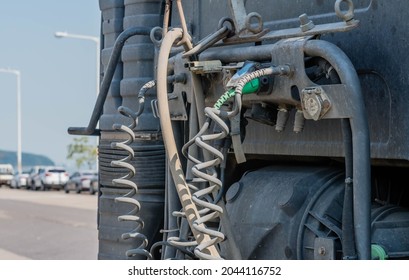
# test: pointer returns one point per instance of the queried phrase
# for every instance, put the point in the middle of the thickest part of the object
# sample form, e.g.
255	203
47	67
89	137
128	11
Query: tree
82	152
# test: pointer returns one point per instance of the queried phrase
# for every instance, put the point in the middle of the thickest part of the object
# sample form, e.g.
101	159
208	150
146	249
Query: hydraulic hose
178	176
360	142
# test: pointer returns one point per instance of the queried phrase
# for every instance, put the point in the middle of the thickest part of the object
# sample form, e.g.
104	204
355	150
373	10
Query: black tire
77	188
66	189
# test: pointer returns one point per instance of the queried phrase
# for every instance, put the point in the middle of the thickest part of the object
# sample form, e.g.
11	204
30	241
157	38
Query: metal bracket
306	28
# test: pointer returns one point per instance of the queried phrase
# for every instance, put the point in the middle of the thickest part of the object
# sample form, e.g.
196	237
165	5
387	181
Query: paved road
47	225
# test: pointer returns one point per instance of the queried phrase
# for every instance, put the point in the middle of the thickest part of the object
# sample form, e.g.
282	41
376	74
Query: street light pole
60	34
18	75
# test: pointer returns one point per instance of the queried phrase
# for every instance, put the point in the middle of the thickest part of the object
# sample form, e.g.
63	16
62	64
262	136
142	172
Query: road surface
49	225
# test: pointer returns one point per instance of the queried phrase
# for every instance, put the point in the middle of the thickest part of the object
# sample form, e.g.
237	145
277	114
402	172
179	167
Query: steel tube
360	142
228	55
106	81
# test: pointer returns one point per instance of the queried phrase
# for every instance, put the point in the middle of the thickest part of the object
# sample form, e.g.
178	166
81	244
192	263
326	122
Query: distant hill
27	159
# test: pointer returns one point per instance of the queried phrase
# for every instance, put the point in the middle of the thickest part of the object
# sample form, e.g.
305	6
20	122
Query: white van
6	174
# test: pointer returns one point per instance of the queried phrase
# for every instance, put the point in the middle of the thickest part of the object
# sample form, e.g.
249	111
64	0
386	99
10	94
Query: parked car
94	184
33	178
50	177
83	180
6	174
21	180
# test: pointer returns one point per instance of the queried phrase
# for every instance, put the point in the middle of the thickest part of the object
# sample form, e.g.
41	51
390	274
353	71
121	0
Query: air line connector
247	68
251	87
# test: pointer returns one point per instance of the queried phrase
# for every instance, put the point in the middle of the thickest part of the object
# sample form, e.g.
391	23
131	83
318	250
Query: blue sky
57	75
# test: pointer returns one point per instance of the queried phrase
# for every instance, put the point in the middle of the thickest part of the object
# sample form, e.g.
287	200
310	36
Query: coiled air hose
175	166
125	181
205	172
